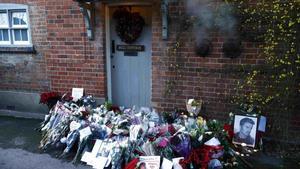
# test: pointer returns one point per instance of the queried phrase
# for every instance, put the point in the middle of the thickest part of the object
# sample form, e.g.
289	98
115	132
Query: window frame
9	9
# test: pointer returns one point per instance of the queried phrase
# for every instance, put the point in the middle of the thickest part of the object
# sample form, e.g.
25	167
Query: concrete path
21	159
19	147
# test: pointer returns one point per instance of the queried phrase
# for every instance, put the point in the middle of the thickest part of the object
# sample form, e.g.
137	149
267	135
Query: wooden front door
131	62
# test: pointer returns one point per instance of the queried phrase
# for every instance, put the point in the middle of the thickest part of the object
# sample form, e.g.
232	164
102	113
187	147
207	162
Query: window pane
16	21
3	19
5	35
24	35
17	34
19	18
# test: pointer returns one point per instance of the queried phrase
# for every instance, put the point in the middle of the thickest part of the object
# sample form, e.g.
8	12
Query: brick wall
27	72
211	78
72	60
64	59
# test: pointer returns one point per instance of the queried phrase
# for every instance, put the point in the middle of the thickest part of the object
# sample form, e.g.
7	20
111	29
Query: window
14	25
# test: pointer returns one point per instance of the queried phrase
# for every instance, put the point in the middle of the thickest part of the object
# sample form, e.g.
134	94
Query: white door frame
108	39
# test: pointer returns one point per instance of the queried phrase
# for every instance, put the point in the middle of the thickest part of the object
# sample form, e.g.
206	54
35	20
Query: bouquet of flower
181	144
49	98
194	107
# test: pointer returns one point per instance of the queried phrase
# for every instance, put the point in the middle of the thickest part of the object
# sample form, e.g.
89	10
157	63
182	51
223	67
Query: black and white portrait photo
244	130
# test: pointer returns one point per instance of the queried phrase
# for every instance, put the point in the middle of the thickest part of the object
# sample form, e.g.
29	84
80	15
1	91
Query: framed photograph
245	128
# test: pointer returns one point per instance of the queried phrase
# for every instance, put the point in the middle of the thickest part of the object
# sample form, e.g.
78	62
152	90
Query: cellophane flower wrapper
193	107
181	144
163	148
116	155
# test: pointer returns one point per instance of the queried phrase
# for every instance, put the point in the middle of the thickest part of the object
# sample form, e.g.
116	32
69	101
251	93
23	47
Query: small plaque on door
130	53
131	48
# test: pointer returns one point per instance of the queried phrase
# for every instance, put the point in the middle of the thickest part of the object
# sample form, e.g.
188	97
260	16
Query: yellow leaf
291	24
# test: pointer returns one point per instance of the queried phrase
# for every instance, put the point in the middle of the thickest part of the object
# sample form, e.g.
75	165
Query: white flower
190	101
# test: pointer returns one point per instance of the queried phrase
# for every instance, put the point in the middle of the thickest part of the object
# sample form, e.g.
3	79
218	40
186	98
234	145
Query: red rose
229	129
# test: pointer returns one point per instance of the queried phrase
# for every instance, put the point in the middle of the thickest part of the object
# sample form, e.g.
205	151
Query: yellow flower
200	121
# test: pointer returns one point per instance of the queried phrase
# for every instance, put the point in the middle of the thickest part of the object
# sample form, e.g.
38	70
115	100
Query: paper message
152	162
262	123
176	164
87	157
96	147
99	162
166	164
77	93
85	132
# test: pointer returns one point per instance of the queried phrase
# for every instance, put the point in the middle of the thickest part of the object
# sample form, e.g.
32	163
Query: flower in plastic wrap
193	107
163	142
214	164
100	132
190	124
181	144
148	149
153	117
88	101
136	119
216	150
152	132
116	154
200	121
229	129
163	130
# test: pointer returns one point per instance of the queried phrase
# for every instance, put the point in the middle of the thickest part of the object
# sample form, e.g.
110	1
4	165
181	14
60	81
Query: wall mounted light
232	47
203	47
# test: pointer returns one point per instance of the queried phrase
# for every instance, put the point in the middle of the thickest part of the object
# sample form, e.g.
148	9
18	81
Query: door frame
108	39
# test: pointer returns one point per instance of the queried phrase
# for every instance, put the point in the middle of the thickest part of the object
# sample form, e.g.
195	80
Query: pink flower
163	142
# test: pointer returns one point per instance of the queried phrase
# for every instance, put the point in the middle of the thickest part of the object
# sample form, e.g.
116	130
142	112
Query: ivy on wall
174	56
275	86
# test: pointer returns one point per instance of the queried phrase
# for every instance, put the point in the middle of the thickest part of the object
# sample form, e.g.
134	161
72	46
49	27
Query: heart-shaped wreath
129	25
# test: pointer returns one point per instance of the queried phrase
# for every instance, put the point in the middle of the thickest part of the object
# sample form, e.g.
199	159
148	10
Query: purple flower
181	144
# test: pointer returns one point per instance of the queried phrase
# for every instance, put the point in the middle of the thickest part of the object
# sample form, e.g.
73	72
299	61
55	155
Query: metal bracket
164	14
88	11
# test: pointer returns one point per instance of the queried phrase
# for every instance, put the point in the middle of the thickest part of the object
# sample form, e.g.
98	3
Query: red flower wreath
129	25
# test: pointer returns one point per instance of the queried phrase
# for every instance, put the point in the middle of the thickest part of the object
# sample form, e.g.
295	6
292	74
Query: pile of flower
112	137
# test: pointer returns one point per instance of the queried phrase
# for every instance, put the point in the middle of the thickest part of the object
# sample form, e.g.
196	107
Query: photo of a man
142	166
245	130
